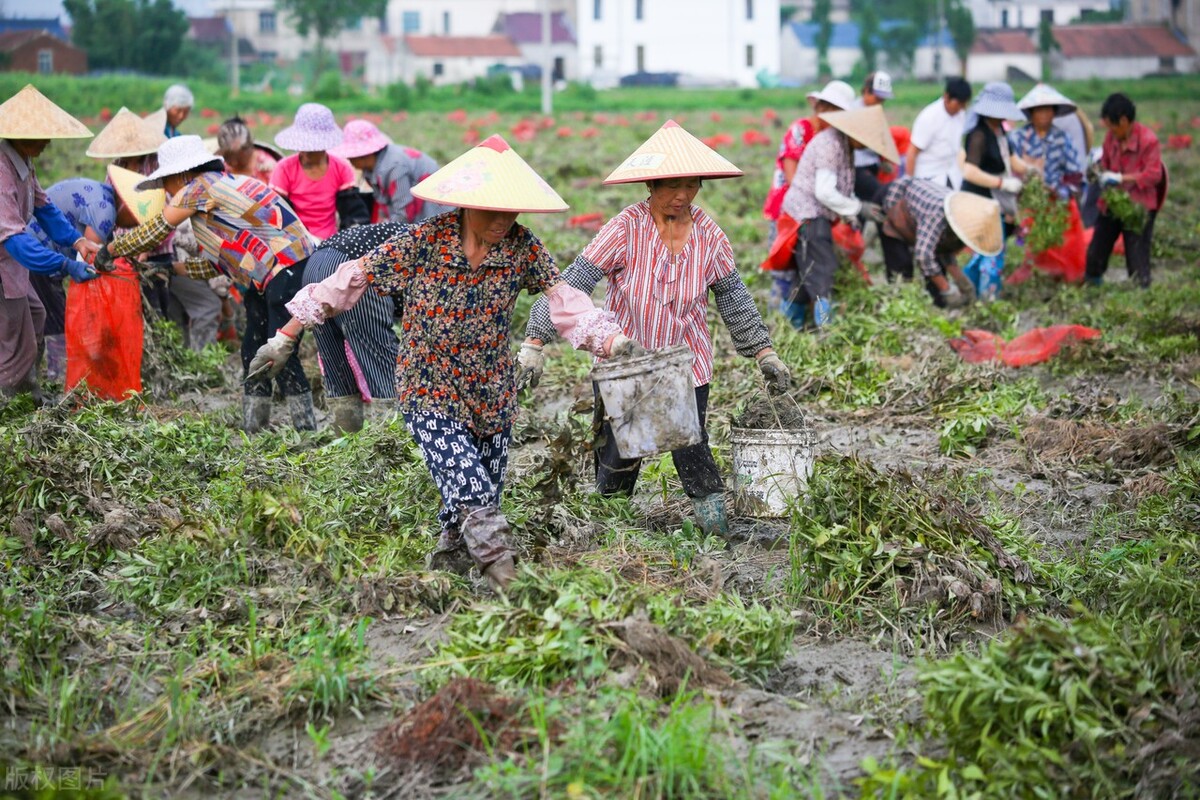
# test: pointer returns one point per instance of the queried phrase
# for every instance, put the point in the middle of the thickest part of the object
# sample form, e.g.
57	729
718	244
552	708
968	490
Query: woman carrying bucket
458	276
662	257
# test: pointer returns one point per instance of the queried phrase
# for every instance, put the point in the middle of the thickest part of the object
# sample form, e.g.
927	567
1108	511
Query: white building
1180	15
525	29
727	40
454	59
458	17
1004	56
926	58
798	55
1029	14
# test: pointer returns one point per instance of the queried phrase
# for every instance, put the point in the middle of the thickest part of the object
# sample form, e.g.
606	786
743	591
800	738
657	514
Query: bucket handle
772	397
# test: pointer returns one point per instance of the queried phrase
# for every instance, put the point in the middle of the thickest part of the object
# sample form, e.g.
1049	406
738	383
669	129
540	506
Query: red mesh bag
1033	347
104	333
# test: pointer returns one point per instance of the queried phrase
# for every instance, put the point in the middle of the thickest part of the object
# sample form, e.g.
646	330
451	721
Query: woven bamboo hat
157	120
145	205
672	152
976	221
1046	95
124	136
491	177
29	114
869	127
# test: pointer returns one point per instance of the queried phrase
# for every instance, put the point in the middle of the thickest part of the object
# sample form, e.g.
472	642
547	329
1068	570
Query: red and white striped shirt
659	299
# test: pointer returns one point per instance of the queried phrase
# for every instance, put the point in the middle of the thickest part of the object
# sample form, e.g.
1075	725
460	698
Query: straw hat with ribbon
1046	95
144	205
313	130
672	152
490	177
976	221
126	135
29	114
179	155
361	138
869	127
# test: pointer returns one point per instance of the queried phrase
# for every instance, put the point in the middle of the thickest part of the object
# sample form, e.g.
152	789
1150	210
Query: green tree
1046	45
142	35
868	35
326	18
962	29
821	11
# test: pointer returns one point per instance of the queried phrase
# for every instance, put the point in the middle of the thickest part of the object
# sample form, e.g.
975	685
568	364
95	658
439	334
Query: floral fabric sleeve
389	267
540	272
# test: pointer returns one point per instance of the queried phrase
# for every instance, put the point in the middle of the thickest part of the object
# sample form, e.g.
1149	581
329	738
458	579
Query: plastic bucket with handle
772	468
650	401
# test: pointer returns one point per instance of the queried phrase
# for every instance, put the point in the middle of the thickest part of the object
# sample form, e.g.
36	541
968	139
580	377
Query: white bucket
772	468
650	401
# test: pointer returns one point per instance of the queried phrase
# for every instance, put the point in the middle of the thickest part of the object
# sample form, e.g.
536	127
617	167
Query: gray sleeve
583	275
741	316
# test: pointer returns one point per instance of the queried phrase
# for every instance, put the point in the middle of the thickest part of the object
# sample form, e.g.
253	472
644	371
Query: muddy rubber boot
500	574
485	533
256	413
450	554
822	312
347	413
300	406
710	514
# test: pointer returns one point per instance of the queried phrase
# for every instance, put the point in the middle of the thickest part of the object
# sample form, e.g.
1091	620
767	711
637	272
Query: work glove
1011	184
104	260
220	286
270	358
530	363
873	212
776	373
79	271
965	286
622	346
1110	178
953	297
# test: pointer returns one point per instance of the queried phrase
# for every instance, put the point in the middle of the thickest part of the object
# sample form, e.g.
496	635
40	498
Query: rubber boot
710	514
450	554
795	313
485	532
347	413
300	406
822	310
1093	280
256	413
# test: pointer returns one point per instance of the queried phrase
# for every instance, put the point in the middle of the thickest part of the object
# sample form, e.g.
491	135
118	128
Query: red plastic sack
786	232
850	242
1033	347
1068	260
104	333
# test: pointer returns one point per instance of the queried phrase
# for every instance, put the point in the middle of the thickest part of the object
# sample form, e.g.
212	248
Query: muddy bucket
650	401
772	467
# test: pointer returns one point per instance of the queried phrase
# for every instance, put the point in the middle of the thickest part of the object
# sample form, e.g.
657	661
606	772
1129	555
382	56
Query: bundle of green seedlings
1130	213
1046	216
889	551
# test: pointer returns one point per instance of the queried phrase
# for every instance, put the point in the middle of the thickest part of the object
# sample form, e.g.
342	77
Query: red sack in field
1033	347
104	333
850	242
787	230
1068	260
588	222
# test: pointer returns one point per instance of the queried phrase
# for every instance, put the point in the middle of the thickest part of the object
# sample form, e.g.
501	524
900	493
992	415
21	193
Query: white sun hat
672	152
490	177
1046	95
837	93
179	155
29	114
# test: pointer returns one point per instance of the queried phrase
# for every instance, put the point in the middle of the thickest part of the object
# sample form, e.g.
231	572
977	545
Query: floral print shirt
455	356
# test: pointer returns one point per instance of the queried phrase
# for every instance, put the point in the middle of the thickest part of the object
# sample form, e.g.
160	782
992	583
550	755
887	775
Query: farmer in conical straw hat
822	191
459	275
246	232
1044	148
936	223
391	170
662	257
28	121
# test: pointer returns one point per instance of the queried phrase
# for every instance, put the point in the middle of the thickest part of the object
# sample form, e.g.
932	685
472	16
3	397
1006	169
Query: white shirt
938	136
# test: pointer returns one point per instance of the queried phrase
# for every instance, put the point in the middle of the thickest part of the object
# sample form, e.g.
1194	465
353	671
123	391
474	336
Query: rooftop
1119	41
462	46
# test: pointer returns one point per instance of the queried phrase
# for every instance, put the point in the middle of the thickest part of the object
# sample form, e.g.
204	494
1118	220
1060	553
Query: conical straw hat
867	126
29	114
145	205
492	177
672	152
976	221
157	120
124	136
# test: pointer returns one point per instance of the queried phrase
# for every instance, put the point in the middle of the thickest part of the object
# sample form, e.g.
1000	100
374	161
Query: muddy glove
775	373
104	260
530	363
79	271
873	212
965	286
1011	185
220	286
270	358
1110	179
623	346
953	298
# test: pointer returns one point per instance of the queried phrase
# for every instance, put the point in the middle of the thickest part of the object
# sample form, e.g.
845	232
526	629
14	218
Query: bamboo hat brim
126	135
869	127
145	205
29	114
490	177
976	221
672	152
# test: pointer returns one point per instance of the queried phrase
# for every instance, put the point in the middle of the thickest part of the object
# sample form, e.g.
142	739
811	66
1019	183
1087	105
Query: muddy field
988	589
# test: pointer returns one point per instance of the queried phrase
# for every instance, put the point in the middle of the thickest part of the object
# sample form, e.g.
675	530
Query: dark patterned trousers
468	470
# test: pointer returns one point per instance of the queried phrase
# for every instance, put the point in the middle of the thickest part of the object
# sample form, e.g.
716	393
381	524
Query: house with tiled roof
453	59
1119	52
41	52
525	30
1004	55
